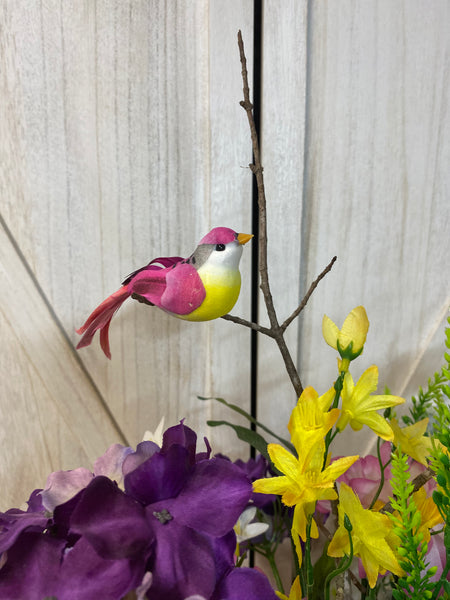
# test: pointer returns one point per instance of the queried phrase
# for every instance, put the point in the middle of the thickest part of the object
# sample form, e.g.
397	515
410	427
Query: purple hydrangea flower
58	558
168	534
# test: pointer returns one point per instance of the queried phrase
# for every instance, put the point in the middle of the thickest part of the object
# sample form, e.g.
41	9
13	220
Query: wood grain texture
377	181
283	131
228	361
122	139
50	412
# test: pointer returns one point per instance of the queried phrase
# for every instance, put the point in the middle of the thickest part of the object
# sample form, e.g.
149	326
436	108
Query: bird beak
243	238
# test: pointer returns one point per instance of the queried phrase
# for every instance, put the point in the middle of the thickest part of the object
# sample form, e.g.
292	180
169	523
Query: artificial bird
202	287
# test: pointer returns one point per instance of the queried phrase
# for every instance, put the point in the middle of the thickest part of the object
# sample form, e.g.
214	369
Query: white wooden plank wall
377	185
122	139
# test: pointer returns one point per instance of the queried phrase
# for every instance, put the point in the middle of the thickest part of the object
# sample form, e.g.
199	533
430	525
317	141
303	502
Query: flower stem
273	565
338	385
382	469
308	563
269	555
345	564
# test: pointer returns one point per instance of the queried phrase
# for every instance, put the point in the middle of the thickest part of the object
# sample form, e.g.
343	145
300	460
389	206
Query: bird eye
220	247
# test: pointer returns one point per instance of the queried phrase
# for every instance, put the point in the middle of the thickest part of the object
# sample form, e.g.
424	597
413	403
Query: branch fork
275	331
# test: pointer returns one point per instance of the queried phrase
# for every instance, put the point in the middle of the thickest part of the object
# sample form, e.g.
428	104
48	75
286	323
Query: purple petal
159	477
253	468
15	521
213	497
85	575
183	436
244	583
35	502
31	568
143	451
112	522
63	485
110	464
204	455
184	563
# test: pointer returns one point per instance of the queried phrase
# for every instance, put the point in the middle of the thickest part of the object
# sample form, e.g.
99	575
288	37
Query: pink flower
365	474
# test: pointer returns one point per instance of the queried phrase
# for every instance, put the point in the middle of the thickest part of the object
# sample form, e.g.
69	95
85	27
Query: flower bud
349	340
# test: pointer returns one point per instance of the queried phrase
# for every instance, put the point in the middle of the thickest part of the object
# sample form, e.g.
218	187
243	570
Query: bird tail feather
100	318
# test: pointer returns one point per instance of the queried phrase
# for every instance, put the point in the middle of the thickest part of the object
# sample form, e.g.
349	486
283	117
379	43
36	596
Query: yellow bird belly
222	288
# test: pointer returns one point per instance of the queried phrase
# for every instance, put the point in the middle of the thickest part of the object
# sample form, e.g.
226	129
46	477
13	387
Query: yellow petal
326	399
377	424
271	485
380	401
309	393
348	387
284	460
340	543
368	382
338	467
330	332
296	590
412	440
354	329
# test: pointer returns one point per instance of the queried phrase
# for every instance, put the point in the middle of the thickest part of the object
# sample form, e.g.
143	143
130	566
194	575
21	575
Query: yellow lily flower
412	440
359	406
370	535
295	593
350	339
303	482
310	420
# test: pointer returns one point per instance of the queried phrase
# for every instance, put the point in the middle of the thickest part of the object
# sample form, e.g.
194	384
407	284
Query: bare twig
250	324
257	170
275	331
419	481
308	294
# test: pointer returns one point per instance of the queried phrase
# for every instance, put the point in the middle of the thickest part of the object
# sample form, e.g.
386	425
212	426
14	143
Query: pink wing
177	289
165	261
175	286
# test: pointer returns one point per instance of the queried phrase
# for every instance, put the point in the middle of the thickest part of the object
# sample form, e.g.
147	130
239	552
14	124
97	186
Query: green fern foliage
422	405
441	466
415	583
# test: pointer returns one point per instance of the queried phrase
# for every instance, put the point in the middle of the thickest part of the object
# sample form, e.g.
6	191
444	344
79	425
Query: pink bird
202	287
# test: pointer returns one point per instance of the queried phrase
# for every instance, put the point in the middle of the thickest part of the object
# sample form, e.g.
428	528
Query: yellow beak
243	238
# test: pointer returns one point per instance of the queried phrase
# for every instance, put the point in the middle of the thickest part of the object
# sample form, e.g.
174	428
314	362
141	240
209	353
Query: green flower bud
347	524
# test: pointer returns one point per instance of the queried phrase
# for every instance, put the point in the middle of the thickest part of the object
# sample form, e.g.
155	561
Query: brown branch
419	481
275	331
257	170
308	294
249	324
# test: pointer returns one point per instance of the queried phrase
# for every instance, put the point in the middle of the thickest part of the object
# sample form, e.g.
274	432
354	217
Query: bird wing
165	261
177	289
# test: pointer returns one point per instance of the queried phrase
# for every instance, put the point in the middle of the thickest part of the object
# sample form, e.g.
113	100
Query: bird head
221	247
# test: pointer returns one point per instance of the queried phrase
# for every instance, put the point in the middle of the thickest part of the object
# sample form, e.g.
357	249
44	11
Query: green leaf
246	435
249	417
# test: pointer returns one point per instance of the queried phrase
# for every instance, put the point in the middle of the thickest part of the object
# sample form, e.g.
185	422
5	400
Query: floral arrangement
167	521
